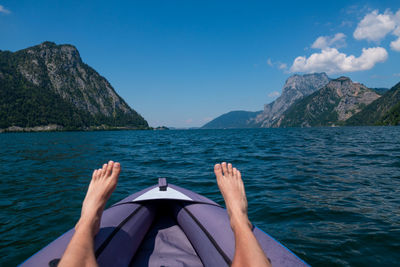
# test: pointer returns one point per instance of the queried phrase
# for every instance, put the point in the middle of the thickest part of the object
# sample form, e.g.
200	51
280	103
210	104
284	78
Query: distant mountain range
316	100
49	87
380	91
233	119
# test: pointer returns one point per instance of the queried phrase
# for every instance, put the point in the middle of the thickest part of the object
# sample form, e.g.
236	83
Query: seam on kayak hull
212	240
115	231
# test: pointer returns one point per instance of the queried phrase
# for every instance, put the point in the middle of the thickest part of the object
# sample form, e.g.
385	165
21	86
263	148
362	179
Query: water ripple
329	194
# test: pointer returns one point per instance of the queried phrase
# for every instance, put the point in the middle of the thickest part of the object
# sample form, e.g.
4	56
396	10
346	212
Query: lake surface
331	195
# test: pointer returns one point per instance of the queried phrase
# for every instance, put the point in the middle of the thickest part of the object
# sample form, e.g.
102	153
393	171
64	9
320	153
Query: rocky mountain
332	105
49	84
296	87
383	111
233	119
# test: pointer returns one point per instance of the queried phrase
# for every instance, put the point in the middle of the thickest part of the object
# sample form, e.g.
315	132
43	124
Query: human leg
248	251
80	250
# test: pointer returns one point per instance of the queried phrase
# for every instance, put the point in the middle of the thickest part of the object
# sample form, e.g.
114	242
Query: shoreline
59	128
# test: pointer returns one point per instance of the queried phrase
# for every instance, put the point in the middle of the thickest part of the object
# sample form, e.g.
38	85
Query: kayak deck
166	245
165	225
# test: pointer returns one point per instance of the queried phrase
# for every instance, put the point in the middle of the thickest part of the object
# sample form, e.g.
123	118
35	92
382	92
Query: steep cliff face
296	87
57	72
70	78
333	104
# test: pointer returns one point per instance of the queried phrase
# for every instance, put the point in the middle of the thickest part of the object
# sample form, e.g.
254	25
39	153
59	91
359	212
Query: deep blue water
331	195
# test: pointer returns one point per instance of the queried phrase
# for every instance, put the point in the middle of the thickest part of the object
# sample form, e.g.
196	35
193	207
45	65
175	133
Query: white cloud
282	66
330	60
322	42
277	64
375	26
346	23
356	11
274	94
396	74
397	30
395	45
4	10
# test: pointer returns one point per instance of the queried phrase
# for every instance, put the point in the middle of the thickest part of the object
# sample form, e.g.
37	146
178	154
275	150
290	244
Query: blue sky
182	63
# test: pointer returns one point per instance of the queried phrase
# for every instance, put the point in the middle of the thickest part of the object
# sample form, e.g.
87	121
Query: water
331	195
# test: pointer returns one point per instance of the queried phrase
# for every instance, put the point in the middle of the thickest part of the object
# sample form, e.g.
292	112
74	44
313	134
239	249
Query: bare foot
230	184
101	186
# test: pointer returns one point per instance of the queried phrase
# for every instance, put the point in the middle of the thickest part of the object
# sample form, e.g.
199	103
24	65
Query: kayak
165	225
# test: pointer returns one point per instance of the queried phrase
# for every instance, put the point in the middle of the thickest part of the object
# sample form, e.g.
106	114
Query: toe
109	168
224	169
103	170
116	170
234	171
230	172
94	175
239	175
218	171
